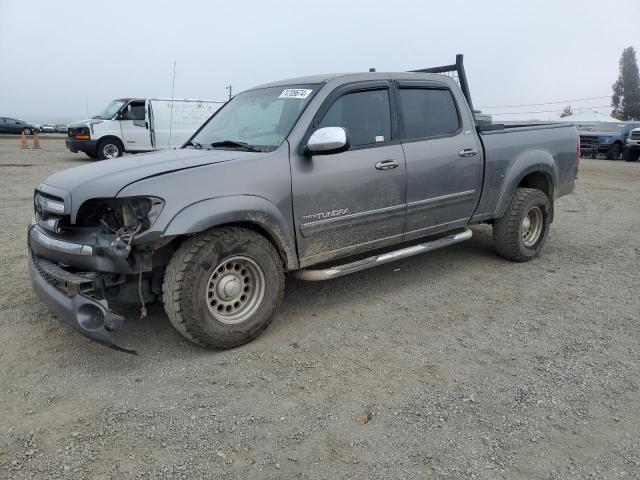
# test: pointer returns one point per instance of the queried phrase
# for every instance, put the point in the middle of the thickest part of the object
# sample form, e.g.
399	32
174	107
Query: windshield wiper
231	143
195	144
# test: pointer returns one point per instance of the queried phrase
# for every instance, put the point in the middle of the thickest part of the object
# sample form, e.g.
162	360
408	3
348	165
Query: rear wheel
631	155
614	151
109	148
521	232
222	287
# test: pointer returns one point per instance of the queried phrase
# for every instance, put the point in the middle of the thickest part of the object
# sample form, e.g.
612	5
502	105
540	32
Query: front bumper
70	295
633	144
87	146
61	291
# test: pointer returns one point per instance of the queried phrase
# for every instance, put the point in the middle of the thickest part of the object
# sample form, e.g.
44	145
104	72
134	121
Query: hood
106	178
88	122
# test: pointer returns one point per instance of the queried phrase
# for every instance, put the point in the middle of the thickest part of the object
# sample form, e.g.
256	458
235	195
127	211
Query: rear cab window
427	113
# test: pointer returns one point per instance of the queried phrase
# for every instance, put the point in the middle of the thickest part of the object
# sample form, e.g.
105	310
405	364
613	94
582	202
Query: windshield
111	109
257	119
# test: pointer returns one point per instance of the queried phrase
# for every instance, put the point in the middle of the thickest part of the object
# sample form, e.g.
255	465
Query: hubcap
235	289
110	150
531	227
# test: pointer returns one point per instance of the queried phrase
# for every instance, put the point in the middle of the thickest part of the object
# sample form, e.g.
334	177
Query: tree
626	91
567	112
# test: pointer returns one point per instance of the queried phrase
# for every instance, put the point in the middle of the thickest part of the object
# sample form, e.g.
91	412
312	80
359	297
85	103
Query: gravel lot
461	364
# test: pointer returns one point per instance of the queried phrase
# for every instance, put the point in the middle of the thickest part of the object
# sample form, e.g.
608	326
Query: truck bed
511	148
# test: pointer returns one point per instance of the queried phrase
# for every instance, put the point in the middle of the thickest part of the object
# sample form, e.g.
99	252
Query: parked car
319	176
632	148
139	125
48	128
12	125
610	142
62	128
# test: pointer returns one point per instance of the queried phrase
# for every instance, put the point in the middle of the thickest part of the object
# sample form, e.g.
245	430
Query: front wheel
521	232
222	287
27	131
110	148
613	152
631	155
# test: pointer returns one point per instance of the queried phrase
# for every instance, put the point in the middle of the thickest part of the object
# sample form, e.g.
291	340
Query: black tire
508	230
93	156
109	145
27	131
614	151
188	281
631	155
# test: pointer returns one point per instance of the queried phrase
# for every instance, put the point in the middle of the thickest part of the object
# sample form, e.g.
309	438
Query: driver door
134	127
353	200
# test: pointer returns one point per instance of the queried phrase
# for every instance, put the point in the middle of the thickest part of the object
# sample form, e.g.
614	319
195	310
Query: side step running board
338	271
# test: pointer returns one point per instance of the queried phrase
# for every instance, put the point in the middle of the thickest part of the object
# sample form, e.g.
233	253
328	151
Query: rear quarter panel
511	154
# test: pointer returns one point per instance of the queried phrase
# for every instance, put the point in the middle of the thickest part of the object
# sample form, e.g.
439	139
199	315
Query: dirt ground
463	365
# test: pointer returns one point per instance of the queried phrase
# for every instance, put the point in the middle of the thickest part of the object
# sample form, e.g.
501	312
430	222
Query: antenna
173	88
229	88
86	105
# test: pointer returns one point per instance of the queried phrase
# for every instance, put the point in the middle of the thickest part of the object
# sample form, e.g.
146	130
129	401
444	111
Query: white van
139	125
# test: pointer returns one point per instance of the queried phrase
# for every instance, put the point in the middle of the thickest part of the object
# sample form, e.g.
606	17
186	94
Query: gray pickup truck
318	176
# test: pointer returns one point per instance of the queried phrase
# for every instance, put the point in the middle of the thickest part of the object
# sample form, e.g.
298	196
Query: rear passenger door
443	155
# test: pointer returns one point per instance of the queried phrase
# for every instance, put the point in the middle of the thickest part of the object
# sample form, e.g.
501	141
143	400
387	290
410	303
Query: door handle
468	152
387	164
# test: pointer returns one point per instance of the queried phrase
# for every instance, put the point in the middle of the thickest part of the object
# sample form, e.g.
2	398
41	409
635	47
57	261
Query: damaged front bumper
71	295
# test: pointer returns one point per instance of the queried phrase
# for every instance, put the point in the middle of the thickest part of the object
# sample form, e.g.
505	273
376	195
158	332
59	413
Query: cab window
134	111
365	115
426	112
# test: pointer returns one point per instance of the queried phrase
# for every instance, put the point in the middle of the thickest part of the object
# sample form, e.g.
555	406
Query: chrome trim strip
61	246
443	199
333	272
322	226
51	206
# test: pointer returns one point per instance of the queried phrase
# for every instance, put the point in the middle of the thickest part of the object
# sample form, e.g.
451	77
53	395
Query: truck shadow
303	300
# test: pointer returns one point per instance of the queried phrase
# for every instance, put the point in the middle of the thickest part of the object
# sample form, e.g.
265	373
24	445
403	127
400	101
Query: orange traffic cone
23	141
36	140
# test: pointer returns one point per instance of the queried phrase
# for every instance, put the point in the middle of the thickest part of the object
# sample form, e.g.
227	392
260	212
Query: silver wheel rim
27	131
235	290
531	227
110	150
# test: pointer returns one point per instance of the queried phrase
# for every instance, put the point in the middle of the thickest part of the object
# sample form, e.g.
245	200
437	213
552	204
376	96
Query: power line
546	111
549	103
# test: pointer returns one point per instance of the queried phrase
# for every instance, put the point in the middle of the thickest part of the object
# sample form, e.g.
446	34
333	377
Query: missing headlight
120	214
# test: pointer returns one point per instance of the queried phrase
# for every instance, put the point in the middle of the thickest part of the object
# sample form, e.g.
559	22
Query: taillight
579	155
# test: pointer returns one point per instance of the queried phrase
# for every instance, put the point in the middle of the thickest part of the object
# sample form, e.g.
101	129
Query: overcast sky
56	54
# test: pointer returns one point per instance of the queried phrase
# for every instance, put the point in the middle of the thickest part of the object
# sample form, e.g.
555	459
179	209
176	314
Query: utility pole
230	93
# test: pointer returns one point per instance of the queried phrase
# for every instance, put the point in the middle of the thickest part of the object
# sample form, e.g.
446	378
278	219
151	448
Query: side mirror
328	140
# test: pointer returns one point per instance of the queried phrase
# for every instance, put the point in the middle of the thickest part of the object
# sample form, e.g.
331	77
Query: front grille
47	206
635	135
588	141
66	282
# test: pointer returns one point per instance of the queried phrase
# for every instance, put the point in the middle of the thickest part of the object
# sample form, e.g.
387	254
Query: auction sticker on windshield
295	93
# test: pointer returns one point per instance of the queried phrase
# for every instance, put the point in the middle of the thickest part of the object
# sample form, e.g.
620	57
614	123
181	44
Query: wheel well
112	138
259	229
539	181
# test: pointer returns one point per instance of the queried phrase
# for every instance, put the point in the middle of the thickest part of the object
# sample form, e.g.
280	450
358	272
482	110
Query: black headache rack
456	71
